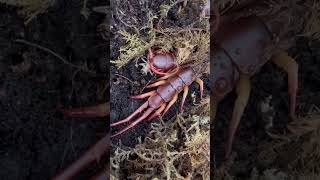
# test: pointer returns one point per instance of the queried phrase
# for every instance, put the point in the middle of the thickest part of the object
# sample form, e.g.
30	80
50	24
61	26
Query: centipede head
162	63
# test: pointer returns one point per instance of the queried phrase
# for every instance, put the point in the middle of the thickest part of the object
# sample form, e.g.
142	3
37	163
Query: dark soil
271	80
36	141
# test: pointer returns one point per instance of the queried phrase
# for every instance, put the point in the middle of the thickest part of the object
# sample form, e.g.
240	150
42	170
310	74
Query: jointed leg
173	100
158	112
288	64
243	92
144	95
158	83
200	82
145	114
139	110
185	93
167	76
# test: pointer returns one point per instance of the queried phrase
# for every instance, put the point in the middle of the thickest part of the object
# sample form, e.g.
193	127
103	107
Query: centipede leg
139	110
291	67
145	114
185	93
167	76
142	96
243	92
173	100
200	82
158	83
158	112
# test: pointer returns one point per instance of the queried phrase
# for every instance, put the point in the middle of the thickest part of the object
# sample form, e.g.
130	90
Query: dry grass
190	43
29	9
134	48
312	24
299	149
178	150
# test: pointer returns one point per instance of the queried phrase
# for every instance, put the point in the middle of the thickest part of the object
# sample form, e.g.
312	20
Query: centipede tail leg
243	91
158	112
145	115
139	110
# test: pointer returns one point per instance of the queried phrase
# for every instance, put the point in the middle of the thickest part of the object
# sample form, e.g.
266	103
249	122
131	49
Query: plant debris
190	43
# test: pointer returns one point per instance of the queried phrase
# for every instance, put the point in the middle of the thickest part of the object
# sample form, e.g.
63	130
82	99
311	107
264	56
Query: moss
190	43
178	150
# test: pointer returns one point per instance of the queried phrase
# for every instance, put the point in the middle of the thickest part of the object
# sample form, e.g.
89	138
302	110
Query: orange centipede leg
145	114
157	113
139	110
142	96
185	93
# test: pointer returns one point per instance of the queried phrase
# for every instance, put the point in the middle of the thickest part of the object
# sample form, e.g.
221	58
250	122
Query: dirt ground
36	141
